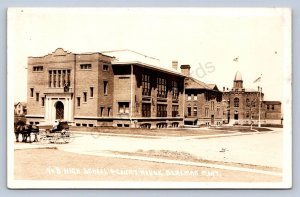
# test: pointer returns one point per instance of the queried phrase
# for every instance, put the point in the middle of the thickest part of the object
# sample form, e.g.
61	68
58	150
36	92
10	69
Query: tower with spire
238	81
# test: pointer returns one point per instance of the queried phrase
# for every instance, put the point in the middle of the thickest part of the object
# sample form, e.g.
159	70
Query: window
253	103
161	87
268	106
54	78
124	107
207	96
189	97
37	68
146	110
50	78
85	66
206	111
105	67
31	92
247	102
212	105
146	85
91	91
43	101
101	111
37	96
78	101
68	76
161	110
273	107
218	111
219	98
85	97
189	111
195	97
63	77
236	102
59	77
105	86
195	111
174	90
247	114
108	111
174	110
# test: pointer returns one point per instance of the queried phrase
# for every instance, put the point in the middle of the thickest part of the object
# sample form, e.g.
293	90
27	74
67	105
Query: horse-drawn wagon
59	133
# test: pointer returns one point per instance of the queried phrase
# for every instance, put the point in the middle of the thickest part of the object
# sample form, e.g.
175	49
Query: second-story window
91	91
174	89
31	92
37	96
59	78
78	101
43	101
85	97
50	78
161	87
105	87
37	68
236	102
195	111
105	67
85	66
146	85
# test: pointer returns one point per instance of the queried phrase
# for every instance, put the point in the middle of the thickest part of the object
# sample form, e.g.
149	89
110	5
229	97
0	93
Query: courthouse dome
238	76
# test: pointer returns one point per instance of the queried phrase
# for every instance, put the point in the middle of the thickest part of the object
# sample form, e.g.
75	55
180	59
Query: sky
208	39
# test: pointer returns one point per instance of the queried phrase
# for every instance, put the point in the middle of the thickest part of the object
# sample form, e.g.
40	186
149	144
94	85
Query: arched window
247	102
236	102
253	103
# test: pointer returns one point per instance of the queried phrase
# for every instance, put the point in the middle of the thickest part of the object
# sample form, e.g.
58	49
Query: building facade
203	102
245	106
20	109
96	89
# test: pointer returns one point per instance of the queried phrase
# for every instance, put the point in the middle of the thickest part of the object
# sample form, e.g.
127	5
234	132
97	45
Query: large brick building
203	102
100	89
244	106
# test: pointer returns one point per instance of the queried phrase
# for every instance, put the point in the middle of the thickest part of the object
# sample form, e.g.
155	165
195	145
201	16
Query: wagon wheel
66	135
43	137
55	137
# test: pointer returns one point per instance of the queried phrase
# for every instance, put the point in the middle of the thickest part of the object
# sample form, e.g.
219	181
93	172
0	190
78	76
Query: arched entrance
59	106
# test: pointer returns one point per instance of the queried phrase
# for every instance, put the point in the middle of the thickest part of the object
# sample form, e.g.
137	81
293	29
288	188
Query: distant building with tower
244	105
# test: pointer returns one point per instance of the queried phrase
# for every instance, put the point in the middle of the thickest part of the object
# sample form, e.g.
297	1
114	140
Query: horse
19	129
25	130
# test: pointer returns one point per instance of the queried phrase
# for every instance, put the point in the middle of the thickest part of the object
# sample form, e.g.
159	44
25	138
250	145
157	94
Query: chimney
185	70
174	64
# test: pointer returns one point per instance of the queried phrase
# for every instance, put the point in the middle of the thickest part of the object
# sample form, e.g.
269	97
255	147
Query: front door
236	115
59	110
212	119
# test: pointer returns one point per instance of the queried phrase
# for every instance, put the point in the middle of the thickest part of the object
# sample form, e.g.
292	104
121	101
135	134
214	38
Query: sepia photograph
149	98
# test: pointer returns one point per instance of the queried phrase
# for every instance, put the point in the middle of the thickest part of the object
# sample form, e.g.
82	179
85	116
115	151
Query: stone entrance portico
58	106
